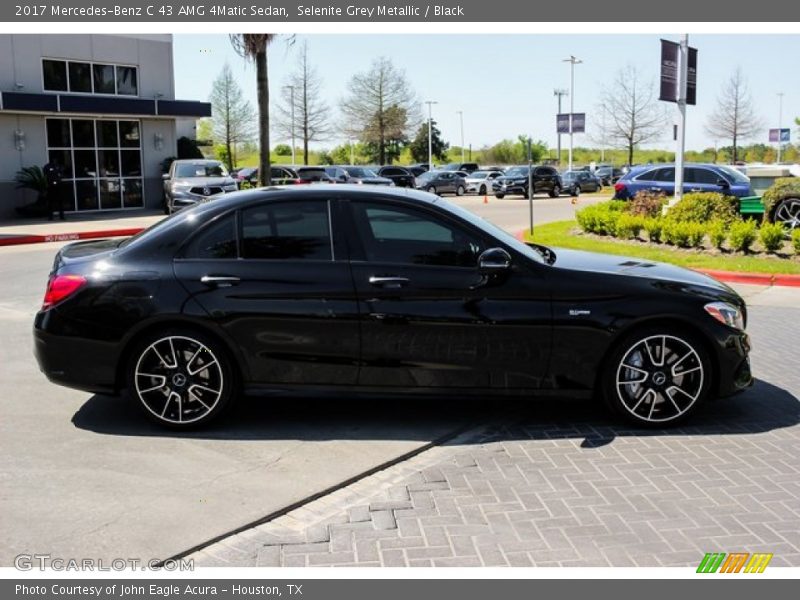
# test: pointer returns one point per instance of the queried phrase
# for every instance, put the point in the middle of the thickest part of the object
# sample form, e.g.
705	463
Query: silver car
191	180
480	182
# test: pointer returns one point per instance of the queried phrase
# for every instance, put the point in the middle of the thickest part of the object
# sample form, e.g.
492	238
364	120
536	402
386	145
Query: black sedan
401	176
575	182
378	290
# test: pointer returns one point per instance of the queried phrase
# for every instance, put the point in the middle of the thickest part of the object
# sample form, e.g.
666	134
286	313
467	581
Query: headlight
726	313
180	187
231	187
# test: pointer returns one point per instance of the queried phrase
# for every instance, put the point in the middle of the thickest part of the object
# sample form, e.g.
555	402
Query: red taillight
60	287
618	187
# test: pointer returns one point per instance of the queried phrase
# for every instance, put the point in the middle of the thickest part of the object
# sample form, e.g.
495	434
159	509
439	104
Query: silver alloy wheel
788	213
178	379
659	378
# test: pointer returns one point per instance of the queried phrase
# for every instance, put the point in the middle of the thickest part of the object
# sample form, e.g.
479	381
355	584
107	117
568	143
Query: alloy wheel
660	378
788	213
179	380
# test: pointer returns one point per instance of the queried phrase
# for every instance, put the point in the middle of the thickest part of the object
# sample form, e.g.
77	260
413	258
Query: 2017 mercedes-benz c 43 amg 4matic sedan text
348	289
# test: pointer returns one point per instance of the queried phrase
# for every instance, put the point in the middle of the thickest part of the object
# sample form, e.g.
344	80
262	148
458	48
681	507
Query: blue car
697	178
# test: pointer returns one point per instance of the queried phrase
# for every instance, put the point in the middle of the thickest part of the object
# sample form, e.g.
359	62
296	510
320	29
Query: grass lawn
567	234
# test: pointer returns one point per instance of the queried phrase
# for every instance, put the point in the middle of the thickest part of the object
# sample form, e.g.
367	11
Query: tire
499	196
576	191
657	376
482	191
460	190
431	189
787	213
555	192
181	378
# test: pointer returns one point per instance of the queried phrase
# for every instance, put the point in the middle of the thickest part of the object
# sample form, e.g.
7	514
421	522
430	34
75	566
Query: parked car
468	167
697	178
418	169
294	288
313	175
401	176
189	181
575	182
480	182
442	182
350	174
608	175
279	175
515	181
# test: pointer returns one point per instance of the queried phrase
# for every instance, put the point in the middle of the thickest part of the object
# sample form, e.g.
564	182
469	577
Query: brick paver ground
563	484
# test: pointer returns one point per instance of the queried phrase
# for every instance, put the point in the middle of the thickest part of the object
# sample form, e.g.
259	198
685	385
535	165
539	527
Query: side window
406	235
706	176
648	175
216	241
666	175
287	231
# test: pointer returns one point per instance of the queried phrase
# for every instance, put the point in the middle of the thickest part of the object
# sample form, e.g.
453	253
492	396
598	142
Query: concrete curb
768	279
16	240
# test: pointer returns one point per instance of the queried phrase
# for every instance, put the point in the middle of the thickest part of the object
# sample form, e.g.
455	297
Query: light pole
559	93
572	62
683	76
461	117
430	104
291	92
780	123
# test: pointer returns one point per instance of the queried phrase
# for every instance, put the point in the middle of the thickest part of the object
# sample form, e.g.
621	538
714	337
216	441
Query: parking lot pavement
558	483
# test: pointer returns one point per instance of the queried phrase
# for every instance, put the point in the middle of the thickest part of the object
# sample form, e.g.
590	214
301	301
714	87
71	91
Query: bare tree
233	118
631	112
380	106
734	118
311	113
253	46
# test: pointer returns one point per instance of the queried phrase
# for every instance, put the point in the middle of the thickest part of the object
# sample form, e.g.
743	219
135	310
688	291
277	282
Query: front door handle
388	281
219	280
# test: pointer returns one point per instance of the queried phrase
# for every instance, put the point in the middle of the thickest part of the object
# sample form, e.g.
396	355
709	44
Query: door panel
431	319
285	302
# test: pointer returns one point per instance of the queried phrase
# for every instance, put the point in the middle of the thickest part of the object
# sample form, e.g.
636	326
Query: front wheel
431	189
555	192
482	191
657	376
499	196
180	379
787	213
460	190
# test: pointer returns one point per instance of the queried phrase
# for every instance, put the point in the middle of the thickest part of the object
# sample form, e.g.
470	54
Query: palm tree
253	46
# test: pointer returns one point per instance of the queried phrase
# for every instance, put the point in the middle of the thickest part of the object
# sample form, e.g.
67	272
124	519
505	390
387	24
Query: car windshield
517	172
491	229
734	175
427	175
360	172
200	170
479	174
569	175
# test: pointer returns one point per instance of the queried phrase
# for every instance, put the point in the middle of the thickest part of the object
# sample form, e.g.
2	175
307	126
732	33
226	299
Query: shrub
741	235
796	241
784	187
697	233
677	233
771	236
717	233
646	204
702	207
600	218
653	227
629	226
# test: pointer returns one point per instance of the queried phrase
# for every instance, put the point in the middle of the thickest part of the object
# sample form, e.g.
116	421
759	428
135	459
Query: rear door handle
219	280
388	282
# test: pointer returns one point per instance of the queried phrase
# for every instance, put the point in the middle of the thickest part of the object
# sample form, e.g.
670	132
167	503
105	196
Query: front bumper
735	374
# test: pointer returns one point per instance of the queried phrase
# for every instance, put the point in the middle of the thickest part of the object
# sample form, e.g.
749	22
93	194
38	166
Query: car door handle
219	280
388	282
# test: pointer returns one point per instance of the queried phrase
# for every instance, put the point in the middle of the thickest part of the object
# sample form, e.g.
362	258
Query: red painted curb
68	237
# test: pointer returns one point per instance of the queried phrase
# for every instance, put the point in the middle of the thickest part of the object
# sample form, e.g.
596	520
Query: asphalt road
86	475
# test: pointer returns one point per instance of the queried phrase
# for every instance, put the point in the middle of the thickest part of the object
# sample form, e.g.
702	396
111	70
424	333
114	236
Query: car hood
595	262
202	181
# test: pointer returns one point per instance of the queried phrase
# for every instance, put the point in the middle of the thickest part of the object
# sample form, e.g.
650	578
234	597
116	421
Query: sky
504	83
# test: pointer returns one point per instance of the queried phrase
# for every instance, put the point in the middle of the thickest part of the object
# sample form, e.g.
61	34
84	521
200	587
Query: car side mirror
723	183
494	259
165	176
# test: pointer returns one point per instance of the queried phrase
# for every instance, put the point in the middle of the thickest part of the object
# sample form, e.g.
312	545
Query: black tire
181	378
460	190
555	192
431	189
576	191
654	401
499	196
482	191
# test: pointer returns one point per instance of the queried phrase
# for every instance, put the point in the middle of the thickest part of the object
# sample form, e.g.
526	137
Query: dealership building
102	105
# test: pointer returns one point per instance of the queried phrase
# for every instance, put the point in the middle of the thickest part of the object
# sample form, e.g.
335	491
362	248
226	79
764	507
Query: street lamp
291	91
572	62
430	104
559	93
780	123
461	117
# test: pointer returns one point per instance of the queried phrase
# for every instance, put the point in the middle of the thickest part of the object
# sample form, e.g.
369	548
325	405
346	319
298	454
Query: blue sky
504	83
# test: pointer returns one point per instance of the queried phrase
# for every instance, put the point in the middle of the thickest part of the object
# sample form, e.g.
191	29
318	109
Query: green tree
283	150
419	146
233	116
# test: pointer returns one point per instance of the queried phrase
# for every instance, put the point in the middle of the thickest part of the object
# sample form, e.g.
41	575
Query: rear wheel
555	192
430	189
482	191
787	213
460	190
180	378
657	376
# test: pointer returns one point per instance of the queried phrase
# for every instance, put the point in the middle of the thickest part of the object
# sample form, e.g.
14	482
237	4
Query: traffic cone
486	198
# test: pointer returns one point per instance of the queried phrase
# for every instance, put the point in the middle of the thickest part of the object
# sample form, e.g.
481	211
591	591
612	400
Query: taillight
61	287
300	181
618	187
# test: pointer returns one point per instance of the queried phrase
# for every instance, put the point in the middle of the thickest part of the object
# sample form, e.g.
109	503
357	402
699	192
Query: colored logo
736	562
